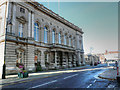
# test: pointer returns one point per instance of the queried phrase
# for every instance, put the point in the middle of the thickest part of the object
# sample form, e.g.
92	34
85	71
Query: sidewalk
109	74
43	74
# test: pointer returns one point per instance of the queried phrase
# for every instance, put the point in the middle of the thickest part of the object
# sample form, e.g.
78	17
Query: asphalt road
85	78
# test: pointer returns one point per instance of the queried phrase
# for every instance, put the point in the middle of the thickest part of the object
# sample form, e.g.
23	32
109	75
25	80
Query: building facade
38	35
91	59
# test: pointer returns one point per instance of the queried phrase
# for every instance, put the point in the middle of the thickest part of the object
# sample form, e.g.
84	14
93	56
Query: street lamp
8	23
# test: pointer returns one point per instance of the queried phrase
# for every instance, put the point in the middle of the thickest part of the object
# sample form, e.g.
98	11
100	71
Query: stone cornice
55	16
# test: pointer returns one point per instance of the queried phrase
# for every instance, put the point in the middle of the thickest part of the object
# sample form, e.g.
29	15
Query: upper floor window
65	40
22	10
36	32
53	36
45	34
20	30
59	36
69	41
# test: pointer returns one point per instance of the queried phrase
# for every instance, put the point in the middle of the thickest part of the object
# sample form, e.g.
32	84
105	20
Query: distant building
38	35
91	59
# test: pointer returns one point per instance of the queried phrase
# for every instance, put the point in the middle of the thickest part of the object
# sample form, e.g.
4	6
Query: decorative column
56	38
29	24
69	60
14	19
64	62
83	59
56	58
32	24
50	37
79	59
74	60
43	60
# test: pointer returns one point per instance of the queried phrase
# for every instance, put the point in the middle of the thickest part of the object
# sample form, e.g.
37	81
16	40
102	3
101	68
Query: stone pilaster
43	60
57	38
51	37
64	64
74	60
69	60
42	34
3	20
33	25
30	58
83	59
14	19
9	16
29	24
78	59
56	58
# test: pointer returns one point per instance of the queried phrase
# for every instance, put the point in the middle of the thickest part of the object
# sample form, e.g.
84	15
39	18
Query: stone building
37	35
91	59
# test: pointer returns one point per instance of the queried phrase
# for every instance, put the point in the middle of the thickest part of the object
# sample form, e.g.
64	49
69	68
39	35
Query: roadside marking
71	76
89	85
43	84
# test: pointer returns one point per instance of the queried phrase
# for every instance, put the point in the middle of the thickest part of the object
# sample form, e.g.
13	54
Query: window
59	36
20	56
20	30
69	41
65	40
53	36
36	32
22	10
45	34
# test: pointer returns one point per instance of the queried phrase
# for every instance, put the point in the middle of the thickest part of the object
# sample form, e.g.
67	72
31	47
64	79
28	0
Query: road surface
85	78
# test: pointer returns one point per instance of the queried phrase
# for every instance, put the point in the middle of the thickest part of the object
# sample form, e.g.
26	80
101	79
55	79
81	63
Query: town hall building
32	34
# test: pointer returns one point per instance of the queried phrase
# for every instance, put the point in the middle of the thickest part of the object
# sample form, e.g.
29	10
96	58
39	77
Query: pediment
21	19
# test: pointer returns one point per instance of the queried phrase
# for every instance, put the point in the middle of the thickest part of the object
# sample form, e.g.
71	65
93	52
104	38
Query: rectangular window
20	30
22	10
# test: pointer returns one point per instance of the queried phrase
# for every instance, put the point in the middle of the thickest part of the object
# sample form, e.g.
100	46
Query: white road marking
44	84
94	81
111	86
89	85
70	76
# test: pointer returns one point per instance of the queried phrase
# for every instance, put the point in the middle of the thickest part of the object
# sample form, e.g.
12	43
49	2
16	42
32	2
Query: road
85	78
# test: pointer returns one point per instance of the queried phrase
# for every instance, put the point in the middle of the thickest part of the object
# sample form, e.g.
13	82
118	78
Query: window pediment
21	19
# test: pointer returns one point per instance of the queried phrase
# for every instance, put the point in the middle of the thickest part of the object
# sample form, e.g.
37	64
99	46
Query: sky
98	20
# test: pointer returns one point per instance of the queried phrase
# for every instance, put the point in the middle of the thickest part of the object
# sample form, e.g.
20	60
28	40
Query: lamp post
8	23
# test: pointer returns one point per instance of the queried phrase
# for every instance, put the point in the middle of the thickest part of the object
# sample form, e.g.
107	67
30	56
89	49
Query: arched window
20	30
65	40
53	36
69	41
36	32
59	36
45	34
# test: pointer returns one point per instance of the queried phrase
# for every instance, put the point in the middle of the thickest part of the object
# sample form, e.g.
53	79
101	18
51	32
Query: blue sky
99	21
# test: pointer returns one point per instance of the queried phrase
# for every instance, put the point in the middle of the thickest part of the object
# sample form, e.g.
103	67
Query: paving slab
109	74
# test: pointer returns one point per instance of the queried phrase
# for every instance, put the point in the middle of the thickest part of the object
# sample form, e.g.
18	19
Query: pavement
109	74
43	74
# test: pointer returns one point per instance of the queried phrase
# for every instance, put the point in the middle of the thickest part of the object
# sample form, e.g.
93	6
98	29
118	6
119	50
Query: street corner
108	74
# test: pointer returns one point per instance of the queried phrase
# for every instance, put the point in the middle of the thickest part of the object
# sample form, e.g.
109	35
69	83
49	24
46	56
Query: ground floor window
20	56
